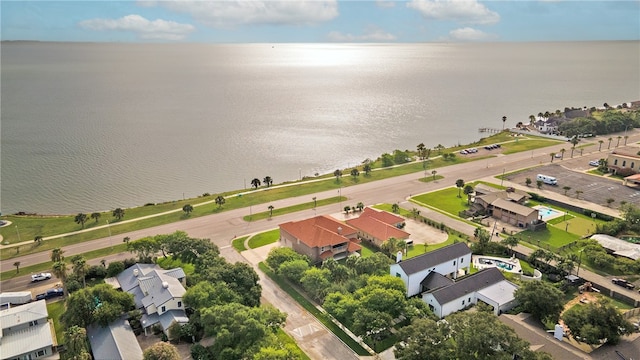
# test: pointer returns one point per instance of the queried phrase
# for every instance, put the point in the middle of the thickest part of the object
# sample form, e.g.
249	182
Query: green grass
446	200
170	263
419	249
28	269
322	317
294	208
579	223
430	178
286	340
238	244
551	236
527	144
55	310
264	238
596	172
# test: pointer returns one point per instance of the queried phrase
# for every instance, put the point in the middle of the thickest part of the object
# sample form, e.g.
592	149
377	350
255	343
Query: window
398	275
633	164
469	299
164	309
624	163
461	260
454	262
462	302
41	353
179	303
615	162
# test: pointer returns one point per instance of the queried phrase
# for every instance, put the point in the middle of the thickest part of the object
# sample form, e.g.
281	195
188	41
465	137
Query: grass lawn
578	223
419	249
551	236
294	208
446	200
527	144
431	178
169	263
55	310
264	238
238	244
286	340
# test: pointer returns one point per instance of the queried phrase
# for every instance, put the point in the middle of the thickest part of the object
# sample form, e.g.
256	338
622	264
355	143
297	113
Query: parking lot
595	189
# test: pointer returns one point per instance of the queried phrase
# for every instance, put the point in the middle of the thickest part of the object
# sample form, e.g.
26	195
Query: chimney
340	230
135	272
399	256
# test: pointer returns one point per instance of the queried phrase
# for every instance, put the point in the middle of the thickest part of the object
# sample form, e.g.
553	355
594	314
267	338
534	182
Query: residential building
506	206
618	247
378	226
156	291
114	342
624	164
25	332
488	286
320	238
448	261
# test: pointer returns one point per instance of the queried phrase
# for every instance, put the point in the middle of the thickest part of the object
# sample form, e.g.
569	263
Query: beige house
320	238
617	161
513	213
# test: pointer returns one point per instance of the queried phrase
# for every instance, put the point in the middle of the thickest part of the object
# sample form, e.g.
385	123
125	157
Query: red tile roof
319	231
353	247
385	217
373	226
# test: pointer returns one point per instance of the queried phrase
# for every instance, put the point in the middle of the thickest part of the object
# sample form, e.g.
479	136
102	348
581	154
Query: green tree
528	181
562	151
618	143
145	248
425	339
268	181
118	213
392	246
433	172
395	208
600	144
597	322
57	254
242	279
609	146
161	351
37	240
81	219
316	282
539	184
220	200
553	155
610	201
188	208
279	255
255	183
355	173
126	240
511	242
96	216
542	300
294	269
80	267
459	185
270	210
87	306
17	265
415	213
337	174
566	188
574	142
205	294
367	169
76	346
115	268
360	206
578	192
468	190
421	150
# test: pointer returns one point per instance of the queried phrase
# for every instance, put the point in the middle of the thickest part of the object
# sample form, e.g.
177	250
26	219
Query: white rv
549	180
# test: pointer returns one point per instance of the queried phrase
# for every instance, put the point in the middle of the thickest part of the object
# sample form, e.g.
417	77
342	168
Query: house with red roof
378	226
320	238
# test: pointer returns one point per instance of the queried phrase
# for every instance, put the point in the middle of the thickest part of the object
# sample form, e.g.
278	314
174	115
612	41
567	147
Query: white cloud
463	11
145	29
230	13
470	34
371	35
385	4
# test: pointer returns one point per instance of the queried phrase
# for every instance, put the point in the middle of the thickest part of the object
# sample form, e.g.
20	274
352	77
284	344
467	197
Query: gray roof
513	207
32	311
618	246
468	285
128	280
114	342
435	281
154	286
433	258
24	339
171	316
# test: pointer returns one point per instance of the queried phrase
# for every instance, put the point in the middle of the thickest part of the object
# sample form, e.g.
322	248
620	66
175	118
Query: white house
488	285
155	290
448	261
25	332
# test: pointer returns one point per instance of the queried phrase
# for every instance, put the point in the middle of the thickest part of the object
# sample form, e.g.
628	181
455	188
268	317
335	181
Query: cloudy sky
320	21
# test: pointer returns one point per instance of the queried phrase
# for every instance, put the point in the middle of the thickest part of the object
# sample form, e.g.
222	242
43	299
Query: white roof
618	246
501	293
27	339
23	314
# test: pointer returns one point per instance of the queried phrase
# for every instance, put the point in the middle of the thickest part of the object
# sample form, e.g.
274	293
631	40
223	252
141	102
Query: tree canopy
161	351
596	322
99	304
540	299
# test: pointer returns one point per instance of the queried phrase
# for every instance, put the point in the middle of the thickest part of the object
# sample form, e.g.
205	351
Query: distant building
25	332
156	291
114	342
320	238
378	226
621	163
618	247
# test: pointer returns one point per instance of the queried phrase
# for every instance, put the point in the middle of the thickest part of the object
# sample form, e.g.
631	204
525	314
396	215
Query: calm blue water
90	127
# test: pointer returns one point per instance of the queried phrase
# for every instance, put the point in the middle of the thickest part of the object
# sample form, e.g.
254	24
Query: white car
594	162
40	277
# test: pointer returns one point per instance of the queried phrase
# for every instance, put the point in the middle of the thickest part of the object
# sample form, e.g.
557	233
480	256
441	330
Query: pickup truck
623	283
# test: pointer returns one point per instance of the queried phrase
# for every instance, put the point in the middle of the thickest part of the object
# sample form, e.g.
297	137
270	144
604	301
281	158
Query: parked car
558	155
594	162
623	283
40	277
51	293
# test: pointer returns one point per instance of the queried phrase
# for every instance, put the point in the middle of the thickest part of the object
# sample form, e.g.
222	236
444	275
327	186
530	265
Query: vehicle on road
15	298
594	162
40	277
550	180
558	155
51	293
623	283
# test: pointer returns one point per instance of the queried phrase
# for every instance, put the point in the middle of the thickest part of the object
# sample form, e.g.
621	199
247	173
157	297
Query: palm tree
188	208
547	114
459	185
504	120
37	240
566	188
337	174
574	142
558	112
578	192
625	139
17	265
433	172
532	120
220	200
552	156
59	269
392	246
360	206
395	208
270	210
315	202
600	144
355	173
468	190
606	106
511	242
347	209
618	143
255	183
539	184
609	147
367	169
56	255
540	115
440	147
527	181
421	150
81	219
267	181
562	151
95	216
415	213
118	213
80	267
126	240
610	201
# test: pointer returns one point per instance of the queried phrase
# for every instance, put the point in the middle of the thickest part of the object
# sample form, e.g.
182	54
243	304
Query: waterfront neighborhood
379	260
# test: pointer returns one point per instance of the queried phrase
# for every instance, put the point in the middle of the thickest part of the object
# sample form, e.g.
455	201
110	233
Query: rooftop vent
135	272
165	284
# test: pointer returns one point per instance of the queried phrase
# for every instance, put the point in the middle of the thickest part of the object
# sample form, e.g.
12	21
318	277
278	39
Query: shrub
96	272
115	268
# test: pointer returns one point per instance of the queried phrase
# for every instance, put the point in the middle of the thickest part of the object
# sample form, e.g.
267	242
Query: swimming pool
547	213
510	265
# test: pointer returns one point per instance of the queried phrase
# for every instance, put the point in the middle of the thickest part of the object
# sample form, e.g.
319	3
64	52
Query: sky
313	21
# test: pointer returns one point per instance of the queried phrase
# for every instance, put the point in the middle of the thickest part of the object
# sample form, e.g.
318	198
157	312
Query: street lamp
579	262
18	232
109	228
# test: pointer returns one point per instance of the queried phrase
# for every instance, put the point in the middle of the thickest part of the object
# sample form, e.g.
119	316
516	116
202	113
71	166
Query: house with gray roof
449	261
115	341
156	291
488	285
25	332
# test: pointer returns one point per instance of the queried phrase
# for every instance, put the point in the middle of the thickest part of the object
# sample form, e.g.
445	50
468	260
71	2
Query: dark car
623	283
51	293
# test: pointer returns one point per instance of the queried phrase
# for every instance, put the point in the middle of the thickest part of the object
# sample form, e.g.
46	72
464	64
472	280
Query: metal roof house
115	341
25	332
155	290
448	261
